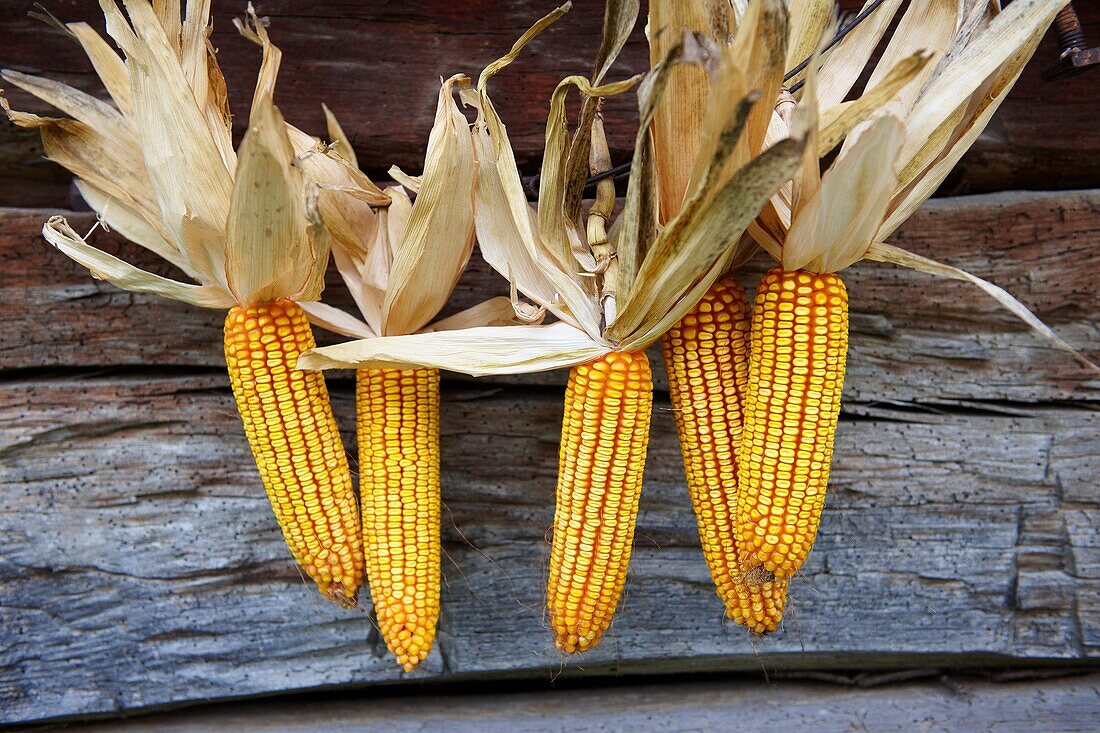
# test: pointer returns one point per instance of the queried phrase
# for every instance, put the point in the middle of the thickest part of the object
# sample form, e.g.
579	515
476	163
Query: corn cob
605	432
796	375
707	361
296	444
398	424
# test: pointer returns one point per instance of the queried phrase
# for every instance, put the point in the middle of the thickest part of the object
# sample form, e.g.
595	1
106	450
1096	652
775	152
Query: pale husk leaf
927	25
656	271
507	229
124	275
108	66
967	70
269	248
168	14
502	242
189	176
619	19
200	68
118	27
347	201
674	262
341	143
883	252
111	164
834	228
133	225
927	170
677	124
841	119
496	311
844	63
411	183
474	351
336	320
924	186
759	50
805	184
633	231
562	235
104	119
809	20
439	234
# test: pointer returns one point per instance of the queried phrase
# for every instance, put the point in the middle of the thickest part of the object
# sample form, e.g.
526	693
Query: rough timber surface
1068	705
140	566
914	337
376	65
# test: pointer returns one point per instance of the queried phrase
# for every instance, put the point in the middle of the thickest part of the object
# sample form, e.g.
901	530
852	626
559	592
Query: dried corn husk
544	250
945	70
399	258
159	165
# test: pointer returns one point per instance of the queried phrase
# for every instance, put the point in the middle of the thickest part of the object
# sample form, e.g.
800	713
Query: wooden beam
914	337
140	565
377	66
933	703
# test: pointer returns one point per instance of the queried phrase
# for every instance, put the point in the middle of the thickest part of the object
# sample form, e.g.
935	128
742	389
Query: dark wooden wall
360	57
139	563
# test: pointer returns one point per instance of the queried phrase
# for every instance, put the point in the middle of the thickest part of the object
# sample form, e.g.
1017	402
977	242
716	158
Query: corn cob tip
574	644
409	642
343	597
758	600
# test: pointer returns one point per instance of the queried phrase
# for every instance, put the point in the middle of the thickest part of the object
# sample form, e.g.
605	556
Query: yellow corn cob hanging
707	360
296	444
796	375
605	432
398	425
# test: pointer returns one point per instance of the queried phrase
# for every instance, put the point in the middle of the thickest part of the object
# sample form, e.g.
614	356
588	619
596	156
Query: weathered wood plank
140	566
377	65
1068	704
914	337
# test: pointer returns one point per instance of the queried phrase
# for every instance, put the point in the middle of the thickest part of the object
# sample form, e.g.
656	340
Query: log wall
140	566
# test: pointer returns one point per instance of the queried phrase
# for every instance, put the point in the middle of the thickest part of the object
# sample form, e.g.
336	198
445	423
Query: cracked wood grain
140	565
939	703
913	337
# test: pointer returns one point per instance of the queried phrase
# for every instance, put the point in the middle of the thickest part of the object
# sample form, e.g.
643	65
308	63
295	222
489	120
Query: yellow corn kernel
796	375
397	413
604	436
707	361
296	444
760	600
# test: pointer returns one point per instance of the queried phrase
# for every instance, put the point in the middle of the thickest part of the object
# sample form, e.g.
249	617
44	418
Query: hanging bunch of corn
612	295
400	260
967	56
707	353
159	167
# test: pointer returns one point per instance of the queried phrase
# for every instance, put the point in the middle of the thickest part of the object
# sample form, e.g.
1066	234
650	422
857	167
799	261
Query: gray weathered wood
140	565
913	337
1068	705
